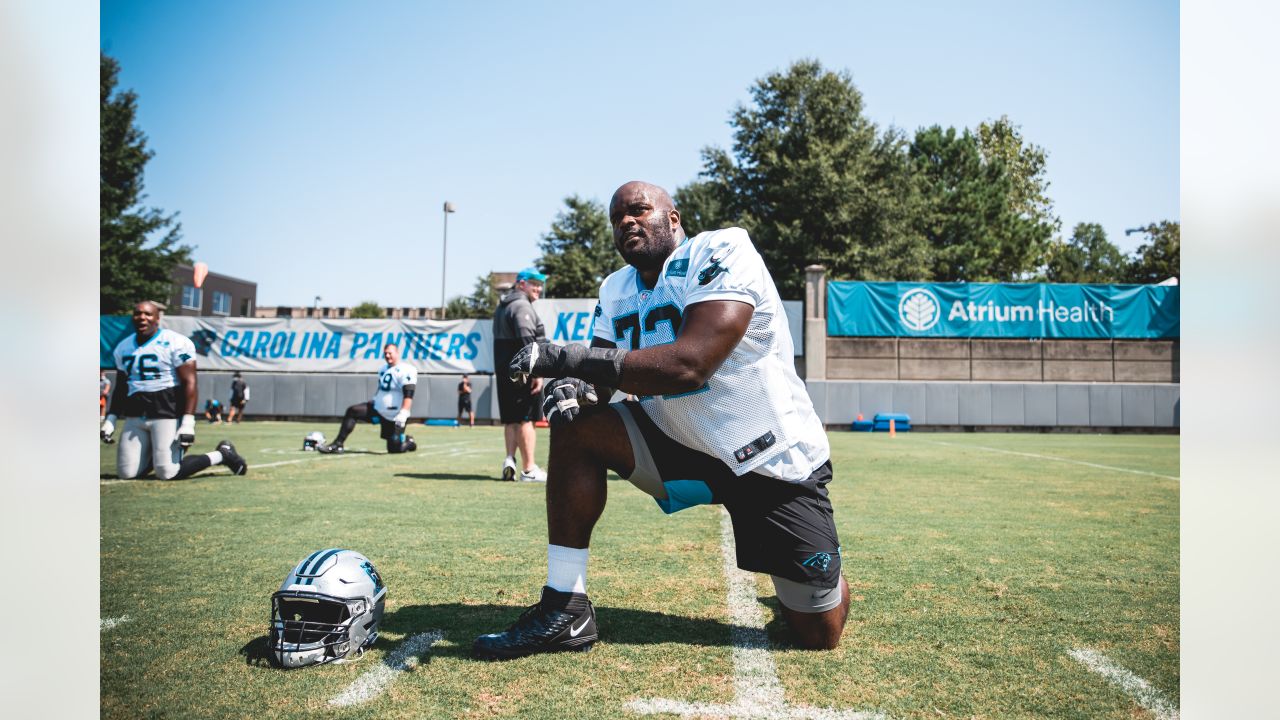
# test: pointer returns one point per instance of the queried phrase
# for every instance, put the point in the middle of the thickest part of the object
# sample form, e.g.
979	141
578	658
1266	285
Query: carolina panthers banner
889	309
304	345
307	345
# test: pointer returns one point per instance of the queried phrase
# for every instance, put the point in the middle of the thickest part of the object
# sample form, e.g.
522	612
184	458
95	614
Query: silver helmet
327	610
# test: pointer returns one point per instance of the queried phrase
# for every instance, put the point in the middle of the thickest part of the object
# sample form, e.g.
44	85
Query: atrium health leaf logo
919	310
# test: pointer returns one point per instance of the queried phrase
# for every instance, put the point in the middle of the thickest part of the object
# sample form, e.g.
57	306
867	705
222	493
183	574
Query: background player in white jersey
695	328
155	385
389	407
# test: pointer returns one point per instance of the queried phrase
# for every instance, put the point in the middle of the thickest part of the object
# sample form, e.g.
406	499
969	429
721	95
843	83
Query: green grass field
977	564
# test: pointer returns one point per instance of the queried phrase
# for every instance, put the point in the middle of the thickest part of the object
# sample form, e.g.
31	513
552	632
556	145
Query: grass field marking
375	680
108	623
757	691
218	470
1050	457
1132	685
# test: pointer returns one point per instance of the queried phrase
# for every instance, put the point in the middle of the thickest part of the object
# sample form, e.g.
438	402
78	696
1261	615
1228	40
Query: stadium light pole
444	253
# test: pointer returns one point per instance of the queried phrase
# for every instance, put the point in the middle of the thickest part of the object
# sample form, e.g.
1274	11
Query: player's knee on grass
815	616
167	472
401	444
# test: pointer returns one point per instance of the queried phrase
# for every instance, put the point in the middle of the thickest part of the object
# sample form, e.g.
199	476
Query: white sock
567	568
215	457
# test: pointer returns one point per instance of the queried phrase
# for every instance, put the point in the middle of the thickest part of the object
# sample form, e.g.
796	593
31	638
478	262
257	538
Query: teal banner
1045	310
111	330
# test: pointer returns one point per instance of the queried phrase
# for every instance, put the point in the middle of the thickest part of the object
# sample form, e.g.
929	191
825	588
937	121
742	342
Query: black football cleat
231	458
560	621
331	449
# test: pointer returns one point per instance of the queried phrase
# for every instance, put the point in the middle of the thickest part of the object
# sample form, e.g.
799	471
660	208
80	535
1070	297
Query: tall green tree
702	207
974	231
479	304
138	245
578	251
813	180
1088	257
1000	140
368	310
1158	259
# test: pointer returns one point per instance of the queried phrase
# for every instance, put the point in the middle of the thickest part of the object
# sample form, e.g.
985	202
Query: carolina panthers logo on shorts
820	561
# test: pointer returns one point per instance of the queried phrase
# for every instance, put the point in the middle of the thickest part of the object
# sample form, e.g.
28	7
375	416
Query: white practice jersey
389	396
152	366
754	413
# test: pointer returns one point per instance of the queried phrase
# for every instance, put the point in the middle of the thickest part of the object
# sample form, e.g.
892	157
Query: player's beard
659	243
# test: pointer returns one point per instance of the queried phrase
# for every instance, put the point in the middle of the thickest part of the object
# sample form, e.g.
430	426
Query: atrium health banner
1045	310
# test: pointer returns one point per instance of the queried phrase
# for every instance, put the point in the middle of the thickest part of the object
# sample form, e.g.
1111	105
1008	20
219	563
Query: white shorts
146	444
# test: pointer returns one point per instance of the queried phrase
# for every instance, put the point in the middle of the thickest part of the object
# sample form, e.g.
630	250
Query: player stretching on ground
695	327
155	384
389	407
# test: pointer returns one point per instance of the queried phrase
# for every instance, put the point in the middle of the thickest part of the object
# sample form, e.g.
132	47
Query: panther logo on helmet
328	609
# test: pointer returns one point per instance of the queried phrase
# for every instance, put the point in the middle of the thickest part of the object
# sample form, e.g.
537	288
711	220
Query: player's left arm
708	334
408	389
187	426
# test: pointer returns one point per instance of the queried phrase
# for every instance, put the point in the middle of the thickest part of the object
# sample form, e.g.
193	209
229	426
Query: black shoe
232	459
560	621
331	449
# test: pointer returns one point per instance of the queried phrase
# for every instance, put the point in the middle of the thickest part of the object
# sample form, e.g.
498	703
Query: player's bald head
658	197
146	306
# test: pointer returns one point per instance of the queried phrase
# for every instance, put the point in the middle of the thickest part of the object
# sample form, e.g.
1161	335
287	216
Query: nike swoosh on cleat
575	631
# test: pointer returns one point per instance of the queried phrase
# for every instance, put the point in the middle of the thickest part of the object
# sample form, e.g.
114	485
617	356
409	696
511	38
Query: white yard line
108	623
1050	457
1132	685
375	680
253	466
757	691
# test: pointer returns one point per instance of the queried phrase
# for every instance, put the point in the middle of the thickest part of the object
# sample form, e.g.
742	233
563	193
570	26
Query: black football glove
601	366
566	398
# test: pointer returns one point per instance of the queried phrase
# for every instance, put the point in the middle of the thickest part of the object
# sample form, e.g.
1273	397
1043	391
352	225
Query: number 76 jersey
153	366
754	413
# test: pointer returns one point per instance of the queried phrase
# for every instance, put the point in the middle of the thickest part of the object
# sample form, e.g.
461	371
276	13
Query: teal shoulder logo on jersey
712	269
678	268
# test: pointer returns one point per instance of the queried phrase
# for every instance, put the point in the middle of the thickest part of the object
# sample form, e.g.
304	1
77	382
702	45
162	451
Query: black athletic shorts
464	404
515	403
780	528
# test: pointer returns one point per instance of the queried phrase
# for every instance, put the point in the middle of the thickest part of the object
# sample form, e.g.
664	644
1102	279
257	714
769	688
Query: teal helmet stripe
315	566
302	566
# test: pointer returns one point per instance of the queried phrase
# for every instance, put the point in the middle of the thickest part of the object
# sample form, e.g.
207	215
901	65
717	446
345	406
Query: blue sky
309	146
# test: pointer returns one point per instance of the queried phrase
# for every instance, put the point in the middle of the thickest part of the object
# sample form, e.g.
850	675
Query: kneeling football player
158	368
695	328
389	407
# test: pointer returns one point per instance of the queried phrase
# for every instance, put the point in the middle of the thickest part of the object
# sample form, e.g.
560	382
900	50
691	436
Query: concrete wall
984	404
1003	360
329	394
